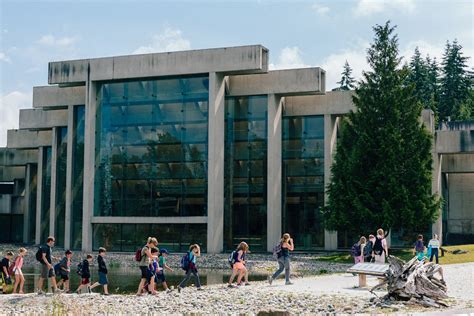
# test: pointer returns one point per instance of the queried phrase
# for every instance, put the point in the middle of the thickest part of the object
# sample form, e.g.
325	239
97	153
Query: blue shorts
160	277
103	278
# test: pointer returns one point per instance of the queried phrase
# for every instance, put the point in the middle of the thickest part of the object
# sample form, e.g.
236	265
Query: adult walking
380	247
286	244
45	257
434	245
145	258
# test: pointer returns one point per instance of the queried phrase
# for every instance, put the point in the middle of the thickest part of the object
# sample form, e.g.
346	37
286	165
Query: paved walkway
459	279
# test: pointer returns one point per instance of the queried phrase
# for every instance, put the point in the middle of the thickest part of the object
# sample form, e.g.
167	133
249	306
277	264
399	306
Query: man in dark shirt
102	271
4	265
47	270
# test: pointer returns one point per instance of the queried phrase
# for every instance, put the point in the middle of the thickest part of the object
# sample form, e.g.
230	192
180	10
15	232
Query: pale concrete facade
232	72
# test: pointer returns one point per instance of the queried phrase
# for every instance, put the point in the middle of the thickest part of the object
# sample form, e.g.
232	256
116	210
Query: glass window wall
78	177
61	185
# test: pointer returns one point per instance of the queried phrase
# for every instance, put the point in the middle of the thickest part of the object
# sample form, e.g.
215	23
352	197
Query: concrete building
204	146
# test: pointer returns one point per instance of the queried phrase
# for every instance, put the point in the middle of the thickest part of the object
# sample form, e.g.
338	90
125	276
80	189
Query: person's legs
185	280
432	255
234	273
143	271
281	267
40	284
241	275
96	284
198	281
22	282
436	255
287	269
17	282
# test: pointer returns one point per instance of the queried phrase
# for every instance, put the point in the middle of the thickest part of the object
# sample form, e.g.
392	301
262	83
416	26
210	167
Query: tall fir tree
381	176
455	83
347	81
424	76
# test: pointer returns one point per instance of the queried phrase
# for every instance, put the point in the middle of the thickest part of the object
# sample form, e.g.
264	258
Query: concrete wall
281	82
335	103
28	139
40	119
458	163
455	141
461	203
231	60
55	96
17	157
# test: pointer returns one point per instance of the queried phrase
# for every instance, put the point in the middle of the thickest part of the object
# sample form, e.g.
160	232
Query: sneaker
106	294
89	290
179	289
40	292
239	284
199	289
168	290
247	283
230	286
270	279
289	283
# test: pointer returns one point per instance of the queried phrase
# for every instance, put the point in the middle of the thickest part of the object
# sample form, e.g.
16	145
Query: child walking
64	271
19	278
86	275
238	267
160	275
190	267
102	271
419	249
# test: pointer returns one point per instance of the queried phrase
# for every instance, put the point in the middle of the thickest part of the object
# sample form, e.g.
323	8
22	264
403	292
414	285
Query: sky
297	33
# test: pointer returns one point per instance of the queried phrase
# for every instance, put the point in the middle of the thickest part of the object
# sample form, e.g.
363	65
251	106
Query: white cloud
290	57
370	7
334	63
169	40
320	9
10	104
51	40
5	58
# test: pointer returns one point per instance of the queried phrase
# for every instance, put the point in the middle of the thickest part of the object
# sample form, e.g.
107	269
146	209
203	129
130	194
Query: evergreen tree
381	176
433	84
455	82
347	81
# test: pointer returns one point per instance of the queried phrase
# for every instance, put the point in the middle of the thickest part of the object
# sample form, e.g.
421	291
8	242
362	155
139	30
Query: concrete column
69	164
330	136
274	162
215	176
437	226
54	161
89	165
27	211
39	194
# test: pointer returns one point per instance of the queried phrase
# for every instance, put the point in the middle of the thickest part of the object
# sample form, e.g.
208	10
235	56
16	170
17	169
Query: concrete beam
39	194
229	60
282	82
274	170
455	141
334	102
55	96
148	220
458	163
40	119
215	176
18	157
10	173
17	138
54	179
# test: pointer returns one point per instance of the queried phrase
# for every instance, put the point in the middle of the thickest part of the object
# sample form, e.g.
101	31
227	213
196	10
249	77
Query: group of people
13	268
152	263
375	249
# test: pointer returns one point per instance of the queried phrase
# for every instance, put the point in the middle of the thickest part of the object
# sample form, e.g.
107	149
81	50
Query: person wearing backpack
45	258
85	275
380	247
63	270
369	249
18	264
188	263
160	275
5	266
357	250
419	250
286	244
144	257
238	265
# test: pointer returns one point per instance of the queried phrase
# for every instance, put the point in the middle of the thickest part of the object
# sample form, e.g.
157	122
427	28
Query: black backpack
39	254
355	250
368	249
79	269
378	247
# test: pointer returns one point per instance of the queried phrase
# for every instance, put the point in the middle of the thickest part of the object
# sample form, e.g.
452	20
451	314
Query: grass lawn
407	254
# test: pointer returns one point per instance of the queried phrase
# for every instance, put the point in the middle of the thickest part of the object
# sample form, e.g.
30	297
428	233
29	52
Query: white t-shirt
434	243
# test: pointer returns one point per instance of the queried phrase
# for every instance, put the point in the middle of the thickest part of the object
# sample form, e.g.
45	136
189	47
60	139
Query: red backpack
138	255
11	267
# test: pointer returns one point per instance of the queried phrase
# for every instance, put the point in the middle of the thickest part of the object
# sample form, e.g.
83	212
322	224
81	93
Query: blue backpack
232	258
185	262
57	268
355	250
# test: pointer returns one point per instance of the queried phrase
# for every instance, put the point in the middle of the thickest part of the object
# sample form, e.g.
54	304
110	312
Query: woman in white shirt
434	244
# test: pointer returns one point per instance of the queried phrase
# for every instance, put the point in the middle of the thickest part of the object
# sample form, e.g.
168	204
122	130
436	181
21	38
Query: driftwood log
414	281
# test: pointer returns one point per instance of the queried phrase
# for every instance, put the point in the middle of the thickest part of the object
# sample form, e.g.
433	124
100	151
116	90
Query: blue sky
298	34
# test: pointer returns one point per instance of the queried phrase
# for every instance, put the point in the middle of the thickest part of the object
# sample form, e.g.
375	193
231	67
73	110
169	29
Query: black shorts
144	271
160	277
64	276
